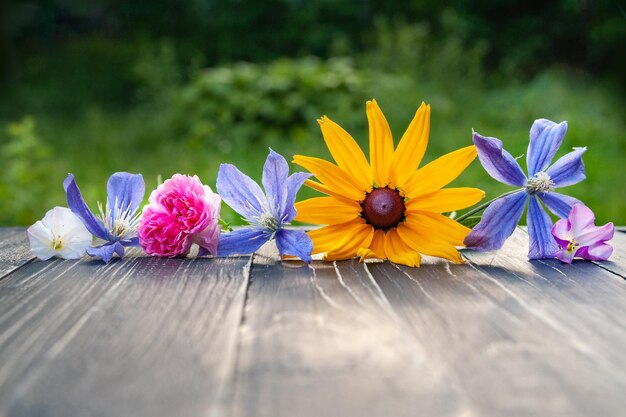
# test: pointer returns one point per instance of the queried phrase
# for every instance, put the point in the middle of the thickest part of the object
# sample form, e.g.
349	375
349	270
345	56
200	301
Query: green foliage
27	169
177	118
229	108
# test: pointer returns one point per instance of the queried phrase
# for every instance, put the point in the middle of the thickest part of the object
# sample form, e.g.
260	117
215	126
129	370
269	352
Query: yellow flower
388	209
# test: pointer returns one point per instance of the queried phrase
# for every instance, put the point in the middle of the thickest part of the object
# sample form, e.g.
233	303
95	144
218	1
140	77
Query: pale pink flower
181	211
578	236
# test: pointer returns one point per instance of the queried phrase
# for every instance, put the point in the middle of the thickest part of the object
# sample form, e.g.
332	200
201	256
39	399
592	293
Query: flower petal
411	148
105	252
564	255
242	241
326	238
294	182
41	241
581	217
295	243
334	178
77	204
498	162
597	252
559	204
131	242
275	174
398	252
437	225
542	244
593	235
381	143
545	139
378	244
424	242
562	232
498	222
209	238
240	192
447	199
125	192
360	237
440	172
327	210
346	152
568	169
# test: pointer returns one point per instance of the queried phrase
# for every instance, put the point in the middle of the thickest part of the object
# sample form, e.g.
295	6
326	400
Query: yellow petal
440	172
333	177
398	252
326	238
447	199
381	143
411	148
428	244
378	244
439	226
359	237
346	152
364	253
327	210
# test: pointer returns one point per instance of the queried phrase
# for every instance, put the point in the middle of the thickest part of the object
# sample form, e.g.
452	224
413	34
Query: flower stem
483	206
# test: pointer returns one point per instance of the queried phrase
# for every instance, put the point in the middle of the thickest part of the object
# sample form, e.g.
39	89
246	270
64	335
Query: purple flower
267	215
501	217
117	223
579	236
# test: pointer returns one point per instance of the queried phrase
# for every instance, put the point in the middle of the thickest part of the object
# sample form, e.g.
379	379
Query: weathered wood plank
518	337
14	249
325	341
140	336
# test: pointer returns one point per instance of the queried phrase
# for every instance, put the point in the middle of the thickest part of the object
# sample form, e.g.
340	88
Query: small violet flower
579	236
181	211
117	222
502	216
267	213
60	233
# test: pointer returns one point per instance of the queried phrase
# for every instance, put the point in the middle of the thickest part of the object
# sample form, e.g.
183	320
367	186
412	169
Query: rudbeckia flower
268	213
502	216
60	233
387	208
578	236
116	224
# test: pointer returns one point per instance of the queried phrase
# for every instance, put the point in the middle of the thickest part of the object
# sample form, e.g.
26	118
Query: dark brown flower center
383	208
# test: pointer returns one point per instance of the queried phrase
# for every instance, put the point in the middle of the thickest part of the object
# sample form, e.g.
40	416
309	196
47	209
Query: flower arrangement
388	207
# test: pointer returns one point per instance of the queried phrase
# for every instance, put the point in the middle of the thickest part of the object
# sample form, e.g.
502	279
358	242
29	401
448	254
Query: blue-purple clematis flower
117	222
267	212
502	216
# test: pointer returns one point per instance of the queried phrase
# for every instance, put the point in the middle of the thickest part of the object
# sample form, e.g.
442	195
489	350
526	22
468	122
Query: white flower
60	233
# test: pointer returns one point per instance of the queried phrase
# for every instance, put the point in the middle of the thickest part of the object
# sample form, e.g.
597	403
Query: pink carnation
181	211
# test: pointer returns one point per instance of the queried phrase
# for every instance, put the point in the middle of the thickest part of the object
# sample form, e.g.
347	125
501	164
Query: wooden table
251	336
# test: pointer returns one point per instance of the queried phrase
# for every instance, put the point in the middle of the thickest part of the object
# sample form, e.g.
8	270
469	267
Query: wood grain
325	341
556	335
14	249
137	337
253	336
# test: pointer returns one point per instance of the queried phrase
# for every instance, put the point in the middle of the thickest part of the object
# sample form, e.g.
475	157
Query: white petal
40	239
64	225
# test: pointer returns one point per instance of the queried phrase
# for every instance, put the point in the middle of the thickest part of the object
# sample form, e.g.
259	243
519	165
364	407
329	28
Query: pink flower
578	236
181	211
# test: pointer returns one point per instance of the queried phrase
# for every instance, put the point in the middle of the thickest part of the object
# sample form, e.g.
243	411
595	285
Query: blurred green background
165	86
